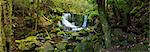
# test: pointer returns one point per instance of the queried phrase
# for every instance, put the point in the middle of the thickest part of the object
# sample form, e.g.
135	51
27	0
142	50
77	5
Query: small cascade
84	25
68	26
66	22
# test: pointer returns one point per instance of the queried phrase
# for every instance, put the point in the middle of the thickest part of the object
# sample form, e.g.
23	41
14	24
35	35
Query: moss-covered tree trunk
104	22
2	40
7	24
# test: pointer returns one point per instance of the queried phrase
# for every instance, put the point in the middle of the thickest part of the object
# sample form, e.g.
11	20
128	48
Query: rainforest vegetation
74	25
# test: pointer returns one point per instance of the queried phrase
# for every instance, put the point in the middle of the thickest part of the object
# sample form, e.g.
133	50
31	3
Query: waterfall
66	22
84	25
68	25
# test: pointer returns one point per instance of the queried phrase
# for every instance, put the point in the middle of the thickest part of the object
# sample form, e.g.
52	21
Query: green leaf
60	33
48	47
61	45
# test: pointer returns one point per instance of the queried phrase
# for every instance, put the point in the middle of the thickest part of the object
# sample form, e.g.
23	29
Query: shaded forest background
113	25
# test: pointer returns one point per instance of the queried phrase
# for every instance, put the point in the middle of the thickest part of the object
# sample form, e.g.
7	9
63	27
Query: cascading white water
84	25
66	22
73	27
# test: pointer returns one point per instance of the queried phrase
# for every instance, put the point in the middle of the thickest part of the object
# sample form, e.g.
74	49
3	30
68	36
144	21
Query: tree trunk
7	25
2	40
104	22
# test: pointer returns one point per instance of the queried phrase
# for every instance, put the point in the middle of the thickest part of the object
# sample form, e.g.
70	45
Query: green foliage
60	33
139	48
26	44
47	47
93	14
72	6
46	15
61	45
81	47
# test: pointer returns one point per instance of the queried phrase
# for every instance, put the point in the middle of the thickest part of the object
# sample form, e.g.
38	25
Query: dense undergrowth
35	26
